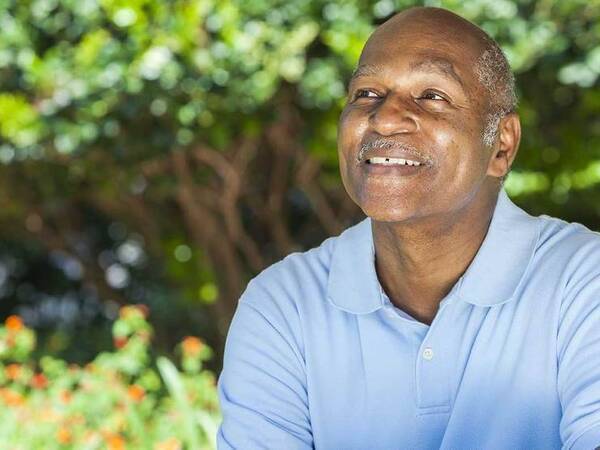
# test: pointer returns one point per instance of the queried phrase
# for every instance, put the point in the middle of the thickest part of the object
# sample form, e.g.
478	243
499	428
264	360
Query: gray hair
494	73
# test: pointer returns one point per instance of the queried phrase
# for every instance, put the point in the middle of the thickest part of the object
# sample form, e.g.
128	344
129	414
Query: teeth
392	161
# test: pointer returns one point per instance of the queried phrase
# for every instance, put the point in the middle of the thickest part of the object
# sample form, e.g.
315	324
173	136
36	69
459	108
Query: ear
506	146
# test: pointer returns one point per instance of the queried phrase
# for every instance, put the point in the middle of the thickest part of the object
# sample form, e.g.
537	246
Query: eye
431	95
365	93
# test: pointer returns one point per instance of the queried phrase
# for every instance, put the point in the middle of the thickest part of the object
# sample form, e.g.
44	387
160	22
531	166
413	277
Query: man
448	318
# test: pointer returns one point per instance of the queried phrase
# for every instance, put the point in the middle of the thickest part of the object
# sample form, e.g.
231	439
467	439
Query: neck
418	262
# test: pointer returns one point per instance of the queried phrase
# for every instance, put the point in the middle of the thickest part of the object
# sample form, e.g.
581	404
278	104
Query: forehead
424	62
439	44
428	30
425	54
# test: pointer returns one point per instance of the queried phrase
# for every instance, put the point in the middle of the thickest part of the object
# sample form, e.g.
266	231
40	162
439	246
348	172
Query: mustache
382	143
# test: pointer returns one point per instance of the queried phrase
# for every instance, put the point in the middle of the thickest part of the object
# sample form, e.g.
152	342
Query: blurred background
162	153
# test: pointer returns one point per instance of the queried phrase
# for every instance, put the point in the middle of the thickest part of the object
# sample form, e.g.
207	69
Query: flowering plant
123	399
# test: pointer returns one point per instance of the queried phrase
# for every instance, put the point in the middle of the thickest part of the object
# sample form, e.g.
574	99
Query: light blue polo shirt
318	357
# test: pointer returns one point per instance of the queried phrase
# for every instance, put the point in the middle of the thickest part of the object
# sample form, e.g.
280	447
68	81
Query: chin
386	211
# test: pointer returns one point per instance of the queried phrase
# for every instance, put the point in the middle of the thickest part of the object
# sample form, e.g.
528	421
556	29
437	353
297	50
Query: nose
392	116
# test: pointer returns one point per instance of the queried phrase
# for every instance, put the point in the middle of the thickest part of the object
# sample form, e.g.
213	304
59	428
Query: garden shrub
123	399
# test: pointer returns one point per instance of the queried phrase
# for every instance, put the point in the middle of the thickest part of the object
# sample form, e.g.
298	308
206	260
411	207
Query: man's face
414	96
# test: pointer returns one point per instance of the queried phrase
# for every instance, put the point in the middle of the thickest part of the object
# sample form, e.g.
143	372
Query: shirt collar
491	278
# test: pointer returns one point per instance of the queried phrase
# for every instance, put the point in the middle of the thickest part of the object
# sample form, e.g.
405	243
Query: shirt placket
432	366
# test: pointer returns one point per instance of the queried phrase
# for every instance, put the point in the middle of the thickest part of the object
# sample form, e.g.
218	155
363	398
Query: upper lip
394	152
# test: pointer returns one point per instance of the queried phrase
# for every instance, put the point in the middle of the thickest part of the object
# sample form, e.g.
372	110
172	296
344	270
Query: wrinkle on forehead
428	64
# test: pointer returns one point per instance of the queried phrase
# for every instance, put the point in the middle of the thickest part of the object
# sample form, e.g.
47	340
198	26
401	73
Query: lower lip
395	169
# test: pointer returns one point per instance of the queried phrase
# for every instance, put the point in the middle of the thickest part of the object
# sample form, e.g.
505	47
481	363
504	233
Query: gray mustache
386	143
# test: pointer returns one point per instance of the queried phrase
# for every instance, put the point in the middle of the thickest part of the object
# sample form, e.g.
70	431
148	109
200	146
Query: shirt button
428	354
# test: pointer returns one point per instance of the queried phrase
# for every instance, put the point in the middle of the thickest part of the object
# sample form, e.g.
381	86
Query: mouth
385	157
389	161
392	166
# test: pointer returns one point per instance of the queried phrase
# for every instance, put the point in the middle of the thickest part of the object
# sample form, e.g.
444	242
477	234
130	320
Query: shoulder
284	296
298	276
571	244
568	253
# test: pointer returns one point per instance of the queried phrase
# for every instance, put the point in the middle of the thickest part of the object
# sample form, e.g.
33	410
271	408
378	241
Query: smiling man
449	317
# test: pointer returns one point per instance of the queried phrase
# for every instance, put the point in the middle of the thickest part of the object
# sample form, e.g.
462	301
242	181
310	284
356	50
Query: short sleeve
579	365
262	387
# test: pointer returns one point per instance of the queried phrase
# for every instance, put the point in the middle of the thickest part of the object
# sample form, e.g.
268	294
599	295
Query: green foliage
75	74
119	400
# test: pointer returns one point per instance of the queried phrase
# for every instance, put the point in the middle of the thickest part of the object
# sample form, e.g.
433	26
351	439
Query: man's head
433	88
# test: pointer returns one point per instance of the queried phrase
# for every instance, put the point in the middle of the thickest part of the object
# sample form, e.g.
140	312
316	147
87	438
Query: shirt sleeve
262	387
579	365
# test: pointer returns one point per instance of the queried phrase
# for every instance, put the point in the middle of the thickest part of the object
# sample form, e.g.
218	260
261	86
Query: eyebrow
366	70
439	65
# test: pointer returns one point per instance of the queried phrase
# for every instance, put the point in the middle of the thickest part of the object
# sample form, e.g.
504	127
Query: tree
209	127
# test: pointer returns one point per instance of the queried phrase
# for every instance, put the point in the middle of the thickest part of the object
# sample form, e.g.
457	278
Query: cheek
460	151
456	130
347	123
344	143
351	129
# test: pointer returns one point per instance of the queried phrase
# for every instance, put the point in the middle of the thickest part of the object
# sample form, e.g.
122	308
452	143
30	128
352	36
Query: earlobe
506	146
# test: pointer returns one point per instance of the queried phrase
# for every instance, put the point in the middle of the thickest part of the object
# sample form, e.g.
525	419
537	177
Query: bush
124	399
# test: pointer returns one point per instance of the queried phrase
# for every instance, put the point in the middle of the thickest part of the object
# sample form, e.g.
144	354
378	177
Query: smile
392	161
392	167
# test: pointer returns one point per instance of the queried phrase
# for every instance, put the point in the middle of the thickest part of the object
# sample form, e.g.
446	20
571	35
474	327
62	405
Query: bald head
446	29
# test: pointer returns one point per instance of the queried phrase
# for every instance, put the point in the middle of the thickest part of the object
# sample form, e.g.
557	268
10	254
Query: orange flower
191	346
13	371
11	398
136	392
63	435
119	342
39	381
65	396
115	442
131	311
13	323
169	444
